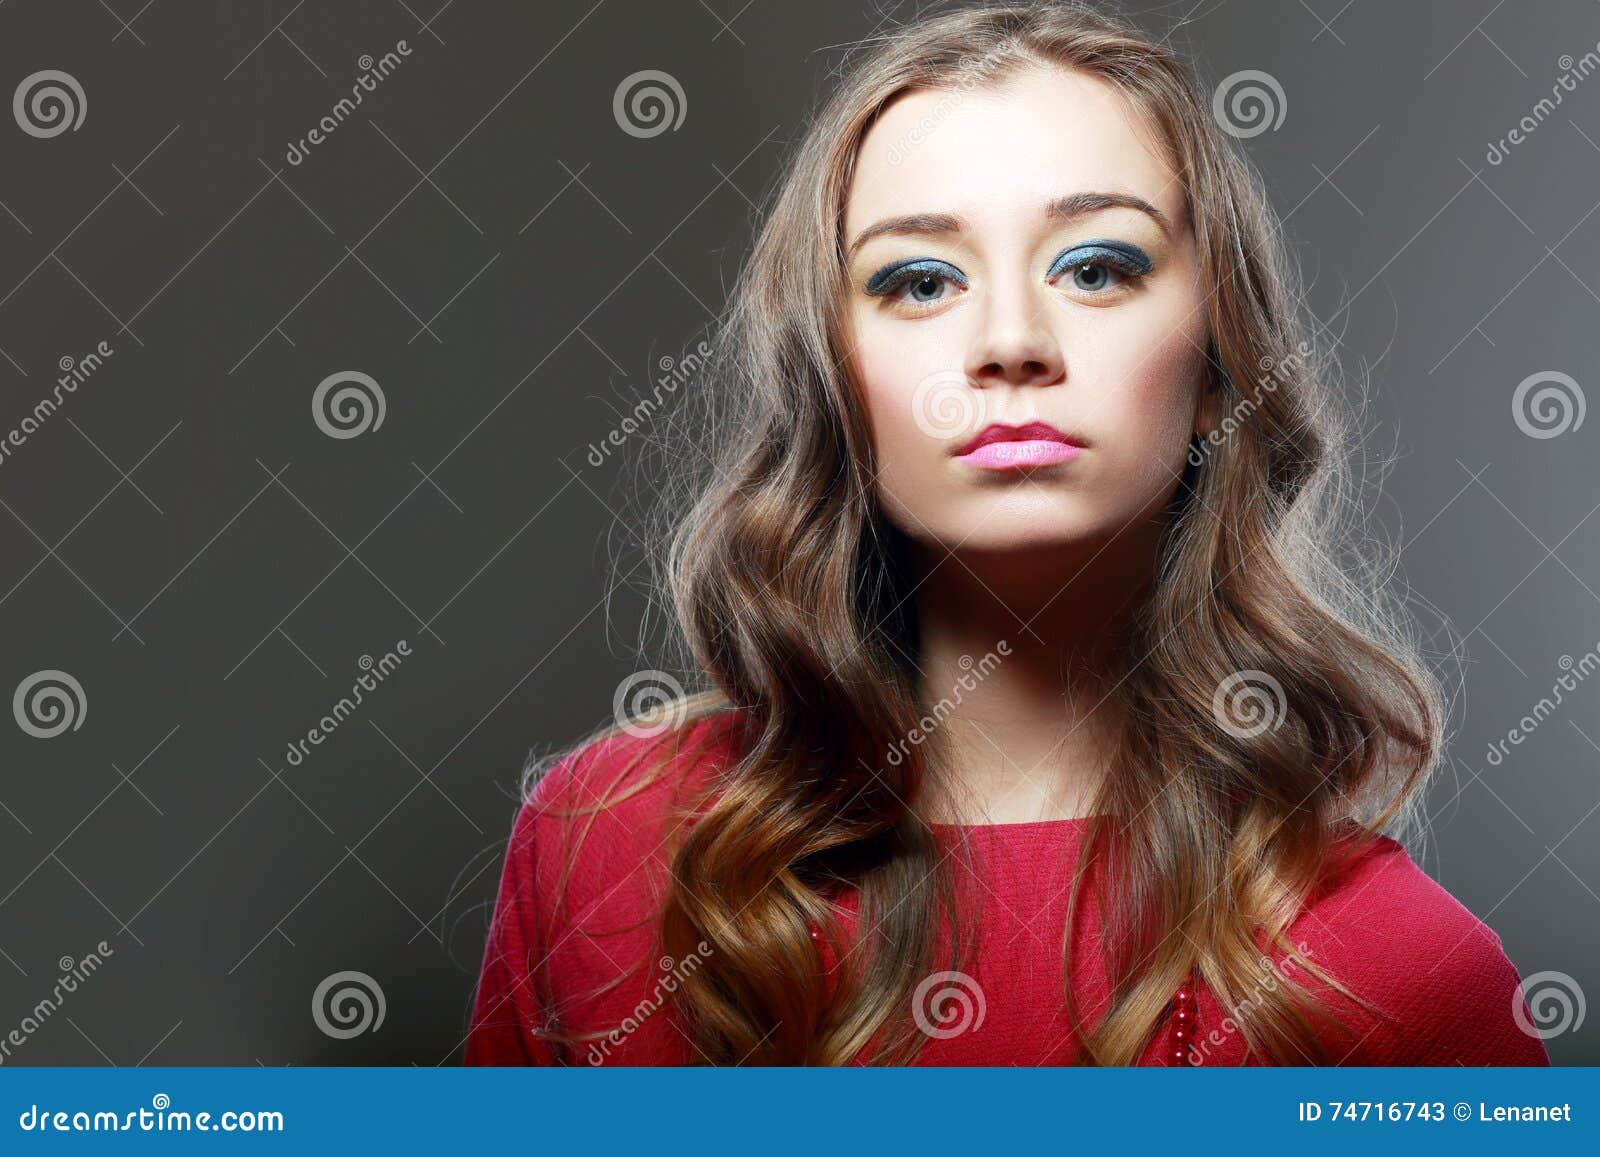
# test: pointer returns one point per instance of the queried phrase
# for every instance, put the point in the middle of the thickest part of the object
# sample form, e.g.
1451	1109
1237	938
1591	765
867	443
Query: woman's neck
1019	656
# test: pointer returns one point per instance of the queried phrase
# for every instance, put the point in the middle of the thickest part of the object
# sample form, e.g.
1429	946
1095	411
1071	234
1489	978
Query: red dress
1383	927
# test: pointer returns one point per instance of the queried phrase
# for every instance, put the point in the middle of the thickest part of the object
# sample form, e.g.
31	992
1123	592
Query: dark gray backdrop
482	239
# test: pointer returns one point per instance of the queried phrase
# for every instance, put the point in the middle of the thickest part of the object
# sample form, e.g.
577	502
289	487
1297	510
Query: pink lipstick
1001	447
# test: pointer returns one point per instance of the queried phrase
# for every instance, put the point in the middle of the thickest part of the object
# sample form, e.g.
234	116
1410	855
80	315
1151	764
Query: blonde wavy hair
790	594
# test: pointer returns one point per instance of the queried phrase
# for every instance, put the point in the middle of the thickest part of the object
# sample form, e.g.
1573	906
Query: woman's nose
1015	343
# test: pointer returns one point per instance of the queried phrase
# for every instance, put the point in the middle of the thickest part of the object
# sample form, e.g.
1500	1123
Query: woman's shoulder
582	875
634	767
1373	885
610	807
1444	990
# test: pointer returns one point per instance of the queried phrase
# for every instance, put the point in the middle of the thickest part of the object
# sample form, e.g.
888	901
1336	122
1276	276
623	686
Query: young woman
1050	725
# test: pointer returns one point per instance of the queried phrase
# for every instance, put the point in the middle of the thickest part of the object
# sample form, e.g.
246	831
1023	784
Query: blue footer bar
810	1111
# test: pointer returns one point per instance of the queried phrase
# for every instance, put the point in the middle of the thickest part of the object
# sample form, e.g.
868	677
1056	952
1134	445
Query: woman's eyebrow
1067	208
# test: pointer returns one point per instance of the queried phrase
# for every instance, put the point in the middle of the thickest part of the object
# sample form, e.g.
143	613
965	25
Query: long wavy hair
791	597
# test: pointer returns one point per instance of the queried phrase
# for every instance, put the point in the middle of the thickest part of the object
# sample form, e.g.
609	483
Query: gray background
484	241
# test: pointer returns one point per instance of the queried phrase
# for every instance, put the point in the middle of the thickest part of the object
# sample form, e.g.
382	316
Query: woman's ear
1208	399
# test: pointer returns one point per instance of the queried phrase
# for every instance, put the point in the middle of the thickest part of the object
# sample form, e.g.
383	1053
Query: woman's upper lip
1028	432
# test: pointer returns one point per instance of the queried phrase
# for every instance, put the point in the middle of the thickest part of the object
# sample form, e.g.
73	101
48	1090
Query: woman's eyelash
892	277
1129	259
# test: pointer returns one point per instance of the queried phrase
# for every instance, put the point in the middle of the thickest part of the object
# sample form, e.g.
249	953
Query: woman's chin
1022	538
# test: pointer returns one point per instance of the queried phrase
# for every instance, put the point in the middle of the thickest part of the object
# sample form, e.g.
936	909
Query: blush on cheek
1145	416
1165	377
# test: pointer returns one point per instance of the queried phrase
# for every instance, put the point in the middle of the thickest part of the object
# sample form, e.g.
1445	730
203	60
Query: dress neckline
1016	826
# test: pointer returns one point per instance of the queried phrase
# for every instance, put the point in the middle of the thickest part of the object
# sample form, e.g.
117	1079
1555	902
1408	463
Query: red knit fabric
1381	926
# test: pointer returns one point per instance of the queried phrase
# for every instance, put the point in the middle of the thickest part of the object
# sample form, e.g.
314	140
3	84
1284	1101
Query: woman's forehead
984	152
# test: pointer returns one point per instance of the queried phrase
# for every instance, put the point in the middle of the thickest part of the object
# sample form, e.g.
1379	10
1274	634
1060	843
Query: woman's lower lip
1015	455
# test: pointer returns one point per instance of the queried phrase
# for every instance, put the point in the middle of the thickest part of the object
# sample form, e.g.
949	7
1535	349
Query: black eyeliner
899	272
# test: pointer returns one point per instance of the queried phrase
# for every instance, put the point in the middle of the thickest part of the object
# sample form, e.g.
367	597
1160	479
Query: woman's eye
1100	269
918	284
1093	277
925	289
1097	269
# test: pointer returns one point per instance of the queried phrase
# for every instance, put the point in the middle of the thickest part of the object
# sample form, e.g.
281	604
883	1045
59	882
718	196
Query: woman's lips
999	446
1016	455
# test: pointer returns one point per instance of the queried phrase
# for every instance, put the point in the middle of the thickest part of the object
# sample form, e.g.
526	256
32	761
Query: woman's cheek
886	371
907	459
1157	419
913	483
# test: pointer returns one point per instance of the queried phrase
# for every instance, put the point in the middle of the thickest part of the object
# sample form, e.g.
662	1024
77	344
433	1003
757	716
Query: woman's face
990	283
